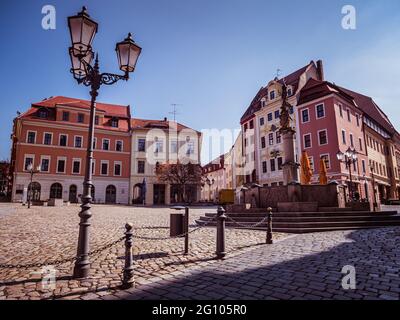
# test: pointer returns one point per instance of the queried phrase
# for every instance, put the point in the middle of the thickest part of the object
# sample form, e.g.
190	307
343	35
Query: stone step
308	214
277	219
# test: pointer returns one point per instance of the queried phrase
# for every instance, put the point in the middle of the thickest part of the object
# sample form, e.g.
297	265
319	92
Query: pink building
333	119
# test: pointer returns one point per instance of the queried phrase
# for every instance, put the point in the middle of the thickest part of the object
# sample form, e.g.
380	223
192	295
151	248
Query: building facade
158	142
53	134
262	142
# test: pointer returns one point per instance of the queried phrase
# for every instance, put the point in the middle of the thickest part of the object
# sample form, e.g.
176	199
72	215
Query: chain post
269	226
128	279
221	217
186	231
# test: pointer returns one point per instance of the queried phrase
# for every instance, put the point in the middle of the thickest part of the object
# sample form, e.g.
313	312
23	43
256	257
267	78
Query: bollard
269	226
221	217
186	228
128	279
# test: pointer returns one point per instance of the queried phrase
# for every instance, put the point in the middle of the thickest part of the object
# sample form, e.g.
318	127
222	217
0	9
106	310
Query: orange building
53	134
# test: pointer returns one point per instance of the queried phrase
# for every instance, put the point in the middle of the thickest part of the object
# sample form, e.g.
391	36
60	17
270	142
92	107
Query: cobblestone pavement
43	234
302	267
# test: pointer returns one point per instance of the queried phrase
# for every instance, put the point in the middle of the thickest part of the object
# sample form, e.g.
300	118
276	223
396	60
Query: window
190	147
93	166
114	122
305	116
45	164
61	165
76	166
261	121
307	140
47	138
278	137
280	163
158	146
117	168
340	110
276	113
263	145
31	138
272	95
363	166
245	127
106	144
264	166
289	92
326	159
65	116
28	161
343	137
94	143
360	144
269	116
78	142
104	168
291	109
63	140
271	138
351	140
246	142
272	162
140	166
358	120
81	117
320	111
118	145
251	124
96	120
311	160
322	137
141	145
348	115
42	113
174	146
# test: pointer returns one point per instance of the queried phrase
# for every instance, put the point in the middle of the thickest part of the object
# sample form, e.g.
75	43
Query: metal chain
61	261
174	237
248	226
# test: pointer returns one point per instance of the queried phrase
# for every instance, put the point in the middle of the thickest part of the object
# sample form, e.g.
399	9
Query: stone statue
284	114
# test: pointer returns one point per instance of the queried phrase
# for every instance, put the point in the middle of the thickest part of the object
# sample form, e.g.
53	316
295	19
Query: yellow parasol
323	179
305	169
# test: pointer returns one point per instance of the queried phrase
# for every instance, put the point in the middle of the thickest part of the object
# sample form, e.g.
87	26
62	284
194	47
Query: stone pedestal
290	166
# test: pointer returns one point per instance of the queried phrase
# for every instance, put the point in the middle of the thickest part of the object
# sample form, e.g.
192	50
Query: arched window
56	191
111	194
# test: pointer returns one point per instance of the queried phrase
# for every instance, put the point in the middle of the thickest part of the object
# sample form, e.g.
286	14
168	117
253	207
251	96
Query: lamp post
83	29
209	183
31	171
349	158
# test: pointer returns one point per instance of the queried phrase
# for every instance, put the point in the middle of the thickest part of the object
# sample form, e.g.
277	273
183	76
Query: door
73	194
111	194
56	191
159	194
34	188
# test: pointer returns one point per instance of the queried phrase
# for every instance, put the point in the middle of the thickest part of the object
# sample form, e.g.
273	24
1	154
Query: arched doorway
111	194
137	194
34	188
56	191
73	196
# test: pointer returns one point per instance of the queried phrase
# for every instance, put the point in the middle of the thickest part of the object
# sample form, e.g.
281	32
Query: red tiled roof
368	106
291	79
109	109
155	124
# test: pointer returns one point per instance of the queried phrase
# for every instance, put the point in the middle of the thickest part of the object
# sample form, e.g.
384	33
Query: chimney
165	119
320	70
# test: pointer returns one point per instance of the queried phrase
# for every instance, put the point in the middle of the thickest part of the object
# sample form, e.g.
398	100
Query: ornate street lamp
31	171
349	157
83	29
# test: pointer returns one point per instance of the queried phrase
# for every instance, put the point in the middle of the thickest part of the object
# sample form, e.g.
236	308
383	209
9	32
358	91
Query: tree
181	175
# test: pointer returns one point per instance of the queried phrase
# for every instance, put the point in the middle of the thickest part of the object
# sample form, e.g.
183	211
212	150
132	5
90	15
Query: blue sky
211	57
